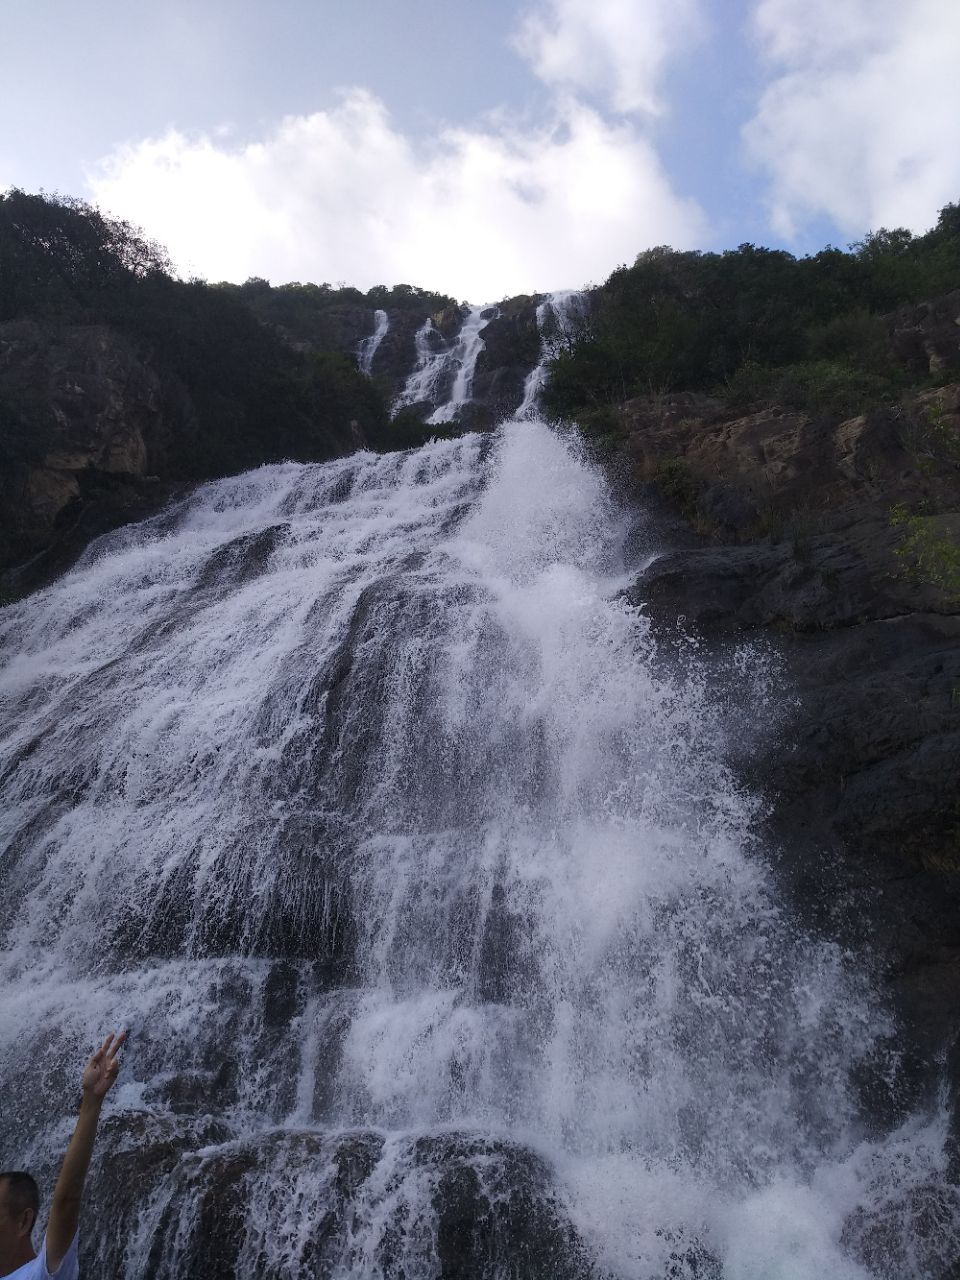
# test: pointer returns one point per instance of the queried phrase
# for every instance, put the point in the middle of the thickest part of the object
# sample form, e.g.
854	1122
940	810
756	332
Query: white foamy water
556	318
361	797
463	358
431	363
444	371
371	344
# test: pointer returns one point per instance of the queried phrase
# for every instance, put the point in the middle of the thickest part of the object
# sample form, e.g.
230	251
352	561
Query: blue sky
512	146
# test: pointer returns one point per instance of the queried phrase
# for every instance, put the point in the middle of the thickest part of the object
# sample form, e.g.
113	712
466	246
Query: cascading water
464	358
556	317
421	880
370	345
443	373
432	359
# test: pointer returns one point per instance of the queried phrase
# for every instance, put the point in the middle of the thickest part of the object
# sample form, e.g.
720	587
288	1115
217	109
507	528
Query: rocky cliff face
837	546
96	430
97	425
926	337
511	339
511	349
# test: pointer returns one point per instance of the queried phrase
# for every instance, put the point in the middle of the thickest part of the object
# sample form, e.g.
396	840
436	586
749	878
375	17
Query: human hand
103	1068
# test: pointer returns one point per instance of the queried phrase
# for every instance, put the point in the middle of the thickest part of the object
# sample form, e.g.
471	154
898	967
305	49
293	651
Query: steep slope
839	543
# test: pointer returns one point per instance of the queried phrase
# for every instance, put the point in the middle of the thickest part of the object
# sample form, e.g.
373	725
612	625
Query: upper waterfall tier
495	365
557	319
366	352
443	374
463	358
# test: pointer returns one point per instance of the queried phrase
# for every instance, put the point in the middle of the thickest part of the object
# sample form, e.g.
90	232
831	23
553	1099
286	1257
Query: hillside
120	383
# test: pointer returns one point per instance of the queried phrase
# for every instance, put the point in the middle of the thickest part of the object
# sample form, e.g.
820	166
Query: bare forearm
65	1207
99	1076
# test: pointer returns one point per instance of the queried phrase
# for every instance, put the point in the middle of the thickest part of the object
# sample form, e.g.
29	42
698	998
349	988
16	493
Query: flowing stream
430	897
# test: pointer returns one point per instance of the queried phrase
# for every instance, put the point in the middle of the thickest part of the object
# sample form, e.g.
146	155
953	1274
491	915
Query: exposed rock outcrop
396	354
96	424
511	349
926	337
97	429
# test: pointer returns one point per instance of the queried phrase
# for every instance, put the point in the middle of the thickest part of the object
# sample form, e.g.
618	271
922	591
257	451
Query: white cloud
342	195
860	119
615	49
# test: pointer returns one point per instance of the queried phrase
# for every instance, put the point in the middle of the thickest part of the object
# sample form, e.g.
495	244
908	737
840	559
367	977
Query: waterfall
424	883
432	361
464	358
556	317
445	370
368	347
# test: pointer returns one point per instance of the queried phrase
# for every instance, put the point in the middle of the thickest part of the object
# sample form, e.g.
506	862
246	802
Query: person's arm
100	1073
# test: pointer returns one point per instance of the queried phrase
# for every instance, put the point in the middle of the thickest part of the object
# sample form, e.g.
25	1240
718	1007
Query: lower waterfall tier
424	882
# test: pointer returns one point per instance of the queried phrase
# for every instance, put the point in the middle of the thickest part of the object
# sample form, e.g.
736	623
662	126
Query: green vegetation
756	324
942	439
930	555
827	387
676	481
315	313
253	397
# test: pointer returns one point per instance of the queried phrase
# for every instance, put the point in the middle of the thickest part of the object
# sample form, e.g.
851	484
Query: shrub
675	481
825	387
929	554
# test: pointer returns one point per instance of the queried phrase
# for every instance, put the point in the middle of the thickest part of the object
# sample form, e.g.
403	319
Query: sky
483	148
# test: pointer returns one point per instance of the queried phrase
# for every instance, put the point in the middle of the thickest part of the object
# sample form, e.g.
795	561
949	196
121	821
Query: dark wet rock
498	392
476	416
242	559
511	348
505	968
690	1260
302	913
912	1233
192	1092
809	584
496	1214
795	549
243	1054
136	1162
197	1201
511	336
396	354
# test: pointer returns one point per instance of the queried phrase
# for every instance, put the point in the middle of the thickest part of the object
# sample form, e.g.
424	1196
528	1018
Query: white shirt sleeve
69	1268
